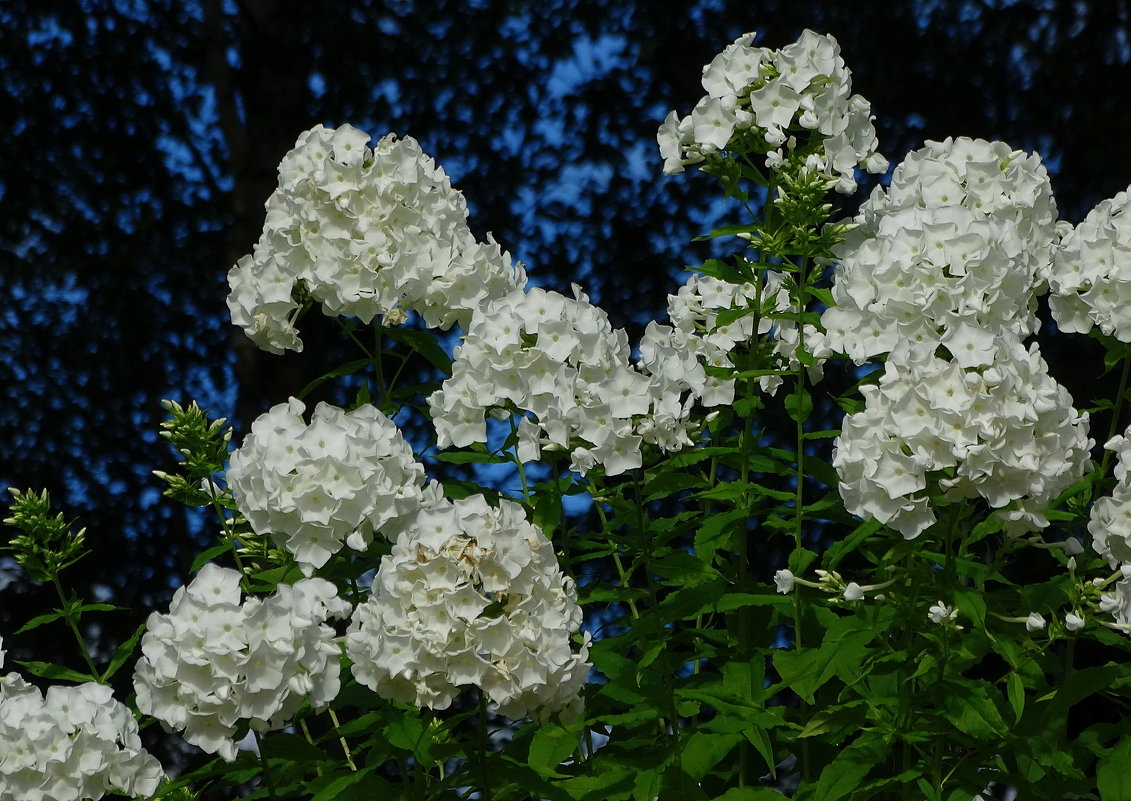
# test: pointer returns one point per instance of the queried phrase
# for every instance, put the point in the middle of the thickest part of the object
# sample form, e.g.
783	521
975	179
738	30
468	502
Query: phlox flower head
1005	431
1090	283
338	479
367	233
677	353
216	661
472	595
72	744
557	362
960	242
771	99
1109	521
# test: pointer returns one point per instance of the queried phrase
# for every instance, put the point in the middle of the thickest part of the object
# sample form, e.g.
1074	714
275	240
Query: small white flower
784	580
1073	621
941	613
853	592
1034	622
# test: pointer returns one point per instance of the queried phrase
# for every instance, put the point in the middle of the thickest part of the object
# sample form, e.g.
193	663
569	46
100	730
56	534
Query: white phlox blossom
804	89
676	353
955	250
216	660
1005	431
1109	522
560	360
472	595
72	744
339	479
368	232
1091	272
1117	603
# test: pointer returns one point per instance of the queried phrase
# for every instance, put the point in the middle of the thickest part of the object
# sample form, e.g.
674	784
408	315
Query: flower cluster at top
559	359
342	478
471	595
1091	275
1005	431
955	249
766	98
365	233
73	743
216	660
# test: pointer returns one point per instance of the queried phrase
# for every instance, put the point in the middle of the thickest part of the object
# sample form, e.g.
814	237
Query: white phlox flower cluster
472	595
339	479
1091	273
216	661
72	744
368	232
559	359
1109	522
677	352
958	247
804	88
1005	431
1117	603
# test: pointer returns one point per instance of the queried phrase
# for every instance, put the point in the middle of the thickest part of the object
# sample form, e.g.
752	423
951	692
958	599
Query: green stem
1116	414
484	749
73	626
266	770
342	739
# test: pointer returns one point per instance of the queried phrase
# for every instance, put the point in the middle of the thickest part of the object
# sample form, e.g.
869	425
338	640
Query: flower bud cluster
559	359
961	241
471	595
1110	519
342	478
367	233
804	88
1005	431
71	744
216	661
678	352
1091	272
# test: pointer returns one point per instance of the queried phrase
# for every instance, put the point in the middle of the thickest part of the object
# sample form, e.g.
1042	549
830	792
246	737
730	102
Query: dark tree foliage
139	139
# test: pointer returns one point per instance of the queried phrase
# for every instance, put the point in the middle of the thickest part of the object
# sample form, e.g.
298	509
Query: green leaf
123	652
470	457
48	671
715	533
970	706
423	343
349	368
1113	776
798	405
702	751
1015	690
336	787
293	748
208	555
551	746
760	739
844	774
750	794
38	621
841	549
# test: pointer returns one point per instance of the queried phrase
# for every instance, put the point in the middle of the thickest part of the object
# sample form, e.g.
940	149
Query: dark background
138	141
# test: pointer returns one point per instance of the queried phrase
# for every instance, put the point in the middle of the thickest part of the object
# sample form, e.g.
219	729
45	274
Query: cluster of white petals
72	744
367	232
677	352
216	661
340	479
1005	431
560	360
472	595
804	88
957	247
1091	273
1110	520
1117	603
